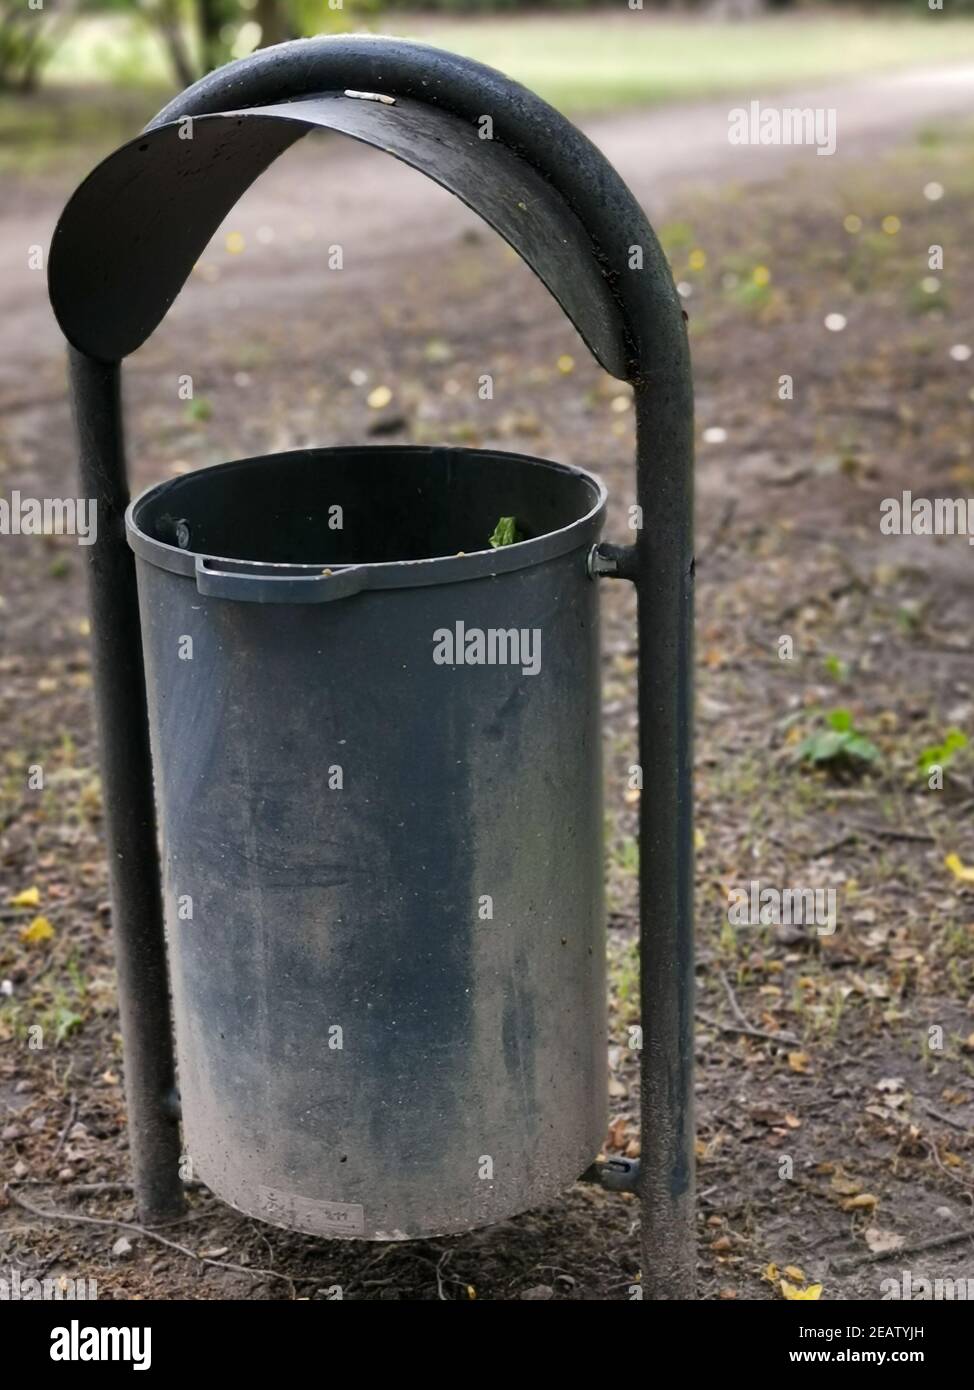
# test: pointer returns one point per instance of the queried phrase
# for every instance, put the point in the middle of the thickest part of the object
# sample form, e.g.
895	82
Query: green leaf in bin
505	532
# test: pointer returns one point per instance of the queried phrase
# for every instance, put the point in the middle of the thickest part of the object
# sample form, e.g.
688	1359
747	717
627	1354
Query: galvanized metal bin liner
382	871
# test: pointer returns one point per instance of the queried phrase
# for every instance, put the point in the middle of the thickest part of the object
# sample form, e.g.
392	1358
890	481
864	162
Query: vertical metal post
130	823
664	582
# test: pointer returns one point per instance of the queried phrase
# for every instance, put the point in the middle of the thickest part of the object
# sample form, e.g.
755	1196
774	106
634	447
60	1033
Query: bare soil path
357	198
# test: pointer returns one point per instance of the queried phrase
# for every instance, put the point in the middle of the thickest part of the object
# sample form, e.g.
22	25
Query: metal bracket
614	1174
607	561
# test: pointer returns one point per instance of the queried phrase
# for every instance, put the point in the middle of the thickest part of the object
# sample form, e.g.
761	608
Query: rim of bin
270	580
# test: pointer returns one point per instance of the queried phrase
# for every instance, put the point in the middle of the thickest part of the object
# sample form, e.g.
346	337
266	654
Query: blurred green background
575	52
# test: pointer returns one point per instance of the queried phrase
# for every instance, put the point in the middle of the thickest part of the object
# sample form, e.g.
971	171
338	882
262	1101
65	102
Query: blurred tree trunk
209	19
28	39
275	22
169	20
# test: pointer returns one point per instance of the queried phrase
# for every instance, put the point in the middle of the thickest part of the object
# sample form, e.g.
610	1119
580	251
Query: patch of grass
593	62
625	855
55	127
598	62
957	941
940	754
199	410
836	668
624	981
584	64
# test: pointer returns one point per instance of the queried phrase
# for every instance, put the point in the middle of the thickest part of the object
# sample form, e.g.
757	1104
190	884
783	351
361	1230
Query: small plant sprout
940	754
839	746
506	533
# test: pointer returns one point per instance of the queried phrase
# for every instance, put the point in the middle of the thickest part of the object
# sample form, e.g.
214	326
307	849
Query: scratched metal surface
169	194
463	1040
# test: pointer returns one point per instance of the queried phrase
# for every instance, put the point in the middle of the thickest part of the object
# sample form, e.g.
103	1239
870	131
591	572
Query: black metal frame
553	195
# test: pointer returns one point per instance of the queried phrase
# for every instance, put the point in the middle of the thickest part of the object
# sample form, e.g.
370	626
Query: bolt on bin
372	946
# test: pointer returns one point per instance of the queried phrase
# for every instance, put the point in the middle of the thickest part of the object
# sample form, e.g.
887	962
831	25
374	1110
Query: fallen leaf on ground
39	930
28	897
959	869
880	1242
890	1084
864	1202
617	1133
812	1294
379	398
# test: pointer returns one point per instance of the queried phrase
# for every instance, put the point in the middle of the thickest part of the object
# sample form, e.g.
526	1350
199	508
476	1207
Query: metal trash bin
442	907
379	781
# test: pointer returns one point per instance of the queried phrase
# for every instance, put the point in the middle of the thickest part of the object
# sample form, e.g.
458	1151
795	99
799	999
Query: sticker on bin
344	1218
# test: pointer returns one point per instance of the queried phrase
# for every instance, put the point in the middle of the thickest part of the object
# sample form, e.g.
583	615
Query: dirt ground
811	1048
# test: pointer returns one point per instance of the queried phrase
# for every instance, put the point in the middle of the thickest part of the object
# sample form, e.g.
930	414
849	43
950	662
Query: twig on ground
736	1009
954	1177
798	475
72	1116
743	1024
787	1039
850	838
939	1115
846	1266
144	1231
886	832
439	1278
87	1189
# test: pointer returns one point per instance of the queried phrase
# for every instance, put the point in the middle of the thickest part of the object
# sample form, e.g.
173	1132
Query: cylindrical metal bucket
378	773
